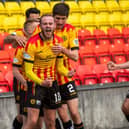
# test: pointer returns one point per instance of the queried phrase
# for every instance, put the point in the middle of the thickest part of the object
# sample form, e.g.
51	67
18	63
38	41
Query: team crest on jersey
27	56
64	38
32	101
75	41
15	60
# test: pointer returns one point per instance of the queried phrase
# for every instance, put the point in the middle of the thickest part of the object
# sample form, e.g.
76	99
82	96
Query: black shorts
68	91
16	89
41	97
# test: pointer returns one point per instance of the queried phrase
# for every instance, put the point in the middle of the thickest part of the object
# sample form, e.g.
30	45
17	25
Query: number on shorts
71	88
57	97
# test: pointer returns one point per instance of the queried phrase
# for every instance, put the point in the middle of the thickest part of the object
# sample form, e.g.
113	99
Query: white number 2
71	88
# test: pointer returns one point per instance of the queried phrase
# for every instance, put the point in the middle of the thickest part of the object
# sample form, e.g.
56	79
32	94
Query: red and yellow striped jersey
70	41
38	52
37	30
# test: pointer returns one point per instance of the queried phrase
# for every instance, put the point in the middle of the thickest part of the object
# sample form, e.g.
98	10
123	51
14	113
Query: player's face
30	28
60	21
47	26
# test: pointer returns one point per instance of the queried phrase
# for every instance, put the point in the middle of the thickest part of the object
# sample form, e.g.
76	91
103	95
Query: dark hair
45	15
32	10
61	9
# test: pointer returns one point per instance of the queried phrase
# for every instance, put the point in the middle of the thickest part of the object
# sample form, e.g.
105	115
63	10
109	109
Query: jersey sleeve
73	39
18	57
29	52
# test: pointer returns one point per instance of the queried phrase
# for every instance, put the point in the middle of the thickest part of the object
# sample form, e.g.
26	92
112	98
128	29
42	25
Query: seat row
90	75
80	6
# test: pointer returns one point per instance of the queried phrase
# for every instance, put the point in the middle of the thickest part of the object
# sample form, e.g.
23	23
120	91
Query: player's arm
113	66
19	76
31	75
15	40
61	69
72	54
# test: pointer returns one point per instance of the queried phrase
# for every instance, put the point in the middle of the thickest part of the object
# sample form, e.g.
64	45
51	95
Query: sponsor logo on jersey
15	60
27	56
75	41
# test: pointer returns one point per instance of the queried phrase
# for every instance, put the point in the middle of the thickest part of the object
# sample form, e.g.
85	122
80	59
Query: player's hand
21	40
111	66
47	82
57	49
71	73
24	83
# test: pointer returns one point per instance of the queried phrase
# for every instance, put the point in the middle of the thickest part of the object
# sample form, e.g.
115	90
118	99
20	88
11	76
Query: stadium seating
99	6
12	8
124	5
4	56
2	9
85	6
104	59
112	5
2	36
43	6
25	5
74	7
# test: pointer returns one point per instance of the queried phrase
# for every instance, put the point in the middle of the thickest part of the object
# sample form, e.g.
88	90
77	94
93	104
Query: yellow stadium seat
2	29
102	19
99	6
43	6
2	9
88	19
74	19
124	5
125	18
21	20
73	6
112	5
85	6
25	5
12	8
10	23
115	19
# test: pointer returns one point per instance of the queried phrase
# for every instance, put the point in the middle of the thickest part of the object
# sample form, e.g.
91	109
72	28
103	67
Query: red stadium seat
113	32
122	77
120	58
101	49
5	67
126	48
103	74
4	56
116	48
9	79
86	75
104	59
2	36
89	60
4	88
90	80
99	33
86	50
125	31
106	78
78	81
83	34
